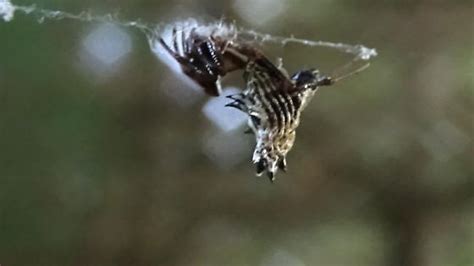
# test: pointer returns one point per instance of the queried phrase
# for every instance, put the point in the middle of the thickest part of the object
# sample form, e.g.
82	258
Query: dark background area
114	163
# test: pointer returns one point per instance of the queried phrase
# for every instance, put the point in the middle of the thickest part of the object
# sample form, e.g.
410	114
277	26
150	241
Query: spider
272	99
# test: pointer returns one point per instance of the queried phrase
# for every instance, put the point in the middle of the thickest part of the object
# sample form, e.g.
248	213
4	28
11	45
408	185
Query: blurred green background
107	159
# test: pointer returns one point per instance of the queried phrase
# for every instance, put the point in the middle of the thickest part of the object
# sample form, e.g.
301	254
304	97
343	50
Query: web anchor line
153	31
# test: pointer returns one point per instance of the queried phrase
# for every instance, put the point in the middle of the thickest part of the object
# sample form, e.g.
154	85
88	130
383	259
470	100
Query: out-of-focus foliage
114	163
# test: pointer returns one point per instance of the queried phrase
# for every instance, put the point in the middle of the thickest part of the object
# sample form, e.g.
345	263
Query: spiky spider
272	100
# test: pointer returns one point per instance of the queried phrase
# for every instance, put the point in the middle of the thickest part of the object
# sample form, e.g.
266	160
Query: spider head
310	79
307	82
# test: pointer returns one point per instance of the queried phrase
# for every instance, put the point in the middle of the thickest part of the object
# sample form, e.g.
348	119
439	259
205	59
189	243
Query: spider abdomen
279	116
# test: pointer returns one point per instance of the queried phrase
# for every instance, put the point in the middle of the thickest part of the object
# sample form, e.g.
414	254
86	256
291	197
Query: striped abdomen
274	110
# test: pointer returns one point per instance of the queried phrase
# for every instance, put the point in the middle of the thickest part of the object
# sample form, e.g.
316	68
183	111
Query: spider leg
282	164
193	34
175	53
238	105
271	176
325	81
175	41
192	40
188	43
237	96
184	43
168	49
260	166
176	56
237	102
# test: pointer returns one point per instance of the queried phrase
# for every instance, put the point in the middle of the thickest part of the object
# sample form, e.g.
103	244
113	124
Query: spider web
154	31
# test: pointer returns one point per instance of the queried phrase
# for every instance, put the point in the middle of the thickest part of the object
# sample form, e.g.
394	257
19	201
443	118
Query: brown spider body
272	100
